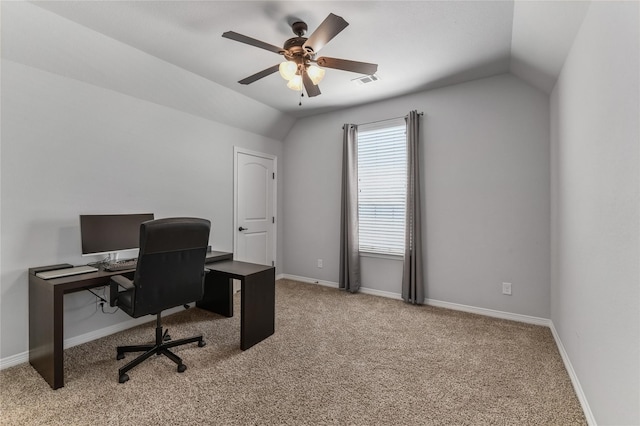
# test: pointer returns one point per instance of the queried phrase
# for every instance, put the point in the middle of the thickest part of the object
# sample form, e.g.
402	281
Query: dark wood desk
46	309
257	298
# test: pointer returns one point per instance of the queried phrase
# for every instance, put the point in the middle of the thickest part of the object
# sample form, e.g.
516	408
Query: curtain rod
386	119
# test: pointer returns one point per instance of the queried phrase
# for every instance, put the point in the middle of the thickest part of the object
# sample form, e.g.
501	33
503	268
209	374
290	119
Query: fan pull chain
301	96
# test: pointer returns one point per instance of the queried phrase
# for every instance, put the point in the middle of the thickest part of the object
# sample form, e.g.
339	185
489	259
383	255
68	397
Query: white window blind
382	181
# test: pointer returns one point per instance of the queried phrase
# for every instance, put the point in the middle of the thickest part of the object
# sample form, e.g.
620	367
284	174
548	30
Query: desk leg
257	316
218	294
46	316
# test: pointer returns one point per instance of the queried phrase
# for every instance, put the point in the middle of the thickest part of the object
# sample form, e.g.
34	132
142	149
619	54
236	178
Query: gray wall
595	299
485	149
71	147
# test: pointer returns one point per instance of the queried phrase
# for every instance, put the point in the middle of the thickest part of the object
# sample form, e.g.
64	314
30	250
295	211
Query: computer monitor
110	233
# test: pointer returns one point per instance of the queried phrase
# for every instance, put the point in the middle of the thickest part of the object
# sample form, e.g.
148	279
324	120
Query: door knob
243	229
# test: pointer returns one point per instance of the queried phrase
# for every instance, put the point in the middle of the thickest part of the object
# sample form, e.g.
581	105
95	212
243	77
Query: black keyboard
121	265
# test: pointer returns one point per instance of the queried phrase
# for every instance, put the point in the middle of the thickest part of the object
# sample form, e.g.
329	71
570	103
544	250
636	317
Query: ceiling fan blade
328	29
252	41
312	89
259	75
347	65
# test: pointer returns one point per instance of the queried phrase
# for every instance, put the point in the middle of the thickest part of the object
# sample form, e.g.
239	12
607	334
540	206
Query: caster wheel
182	368
124	378
120	356
166	337
201	343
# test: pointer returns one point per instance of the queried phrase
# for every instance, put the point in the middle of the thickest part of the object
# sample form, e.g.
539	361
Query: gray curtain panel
412	276
349	242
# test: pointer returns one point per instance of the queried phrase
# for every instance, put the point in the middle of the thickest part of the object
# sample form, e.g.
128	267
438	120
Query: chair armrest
118	281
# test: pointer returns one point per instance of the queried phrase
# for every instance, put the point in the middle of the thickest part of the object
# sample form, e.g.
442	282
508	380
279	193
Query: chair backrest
170	268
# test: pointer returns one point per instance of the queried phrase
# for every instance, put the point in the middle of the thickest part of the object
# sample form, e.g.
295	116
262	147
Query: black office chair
170	272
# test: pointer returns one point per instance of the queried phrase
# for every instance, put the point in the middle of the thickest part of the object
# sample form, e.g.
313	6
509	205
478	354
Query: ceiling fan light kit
295	83
288	69
299	68
316	74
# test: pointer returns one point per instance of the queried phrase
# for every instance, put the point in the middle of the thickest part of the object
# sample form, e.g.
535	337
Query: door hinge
273	219
273	175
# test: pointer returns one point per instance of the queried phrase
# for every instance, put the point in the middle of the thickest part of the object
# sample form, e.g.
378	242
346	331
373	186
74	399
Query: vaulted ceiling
417	44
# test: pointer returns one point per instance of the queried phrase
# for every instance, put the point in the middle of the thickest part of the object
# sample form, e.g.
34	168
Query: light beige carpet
336	358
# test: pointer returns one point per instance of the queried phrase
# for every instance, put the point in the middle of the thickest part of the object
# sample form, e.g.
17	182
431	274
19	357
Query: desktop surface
239	269
213	256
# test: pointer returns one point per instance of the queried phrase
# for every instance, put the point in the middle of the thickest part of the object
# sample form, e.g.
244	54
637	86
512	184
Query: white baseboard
364	290
574	378
381	293
103	332
87	337
12	360
489	312
308	280
432	302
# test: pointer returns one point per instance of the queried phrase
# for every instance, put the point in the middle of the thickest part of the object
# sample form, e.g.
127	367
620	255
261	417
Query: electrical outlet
506	289
100	298
319	263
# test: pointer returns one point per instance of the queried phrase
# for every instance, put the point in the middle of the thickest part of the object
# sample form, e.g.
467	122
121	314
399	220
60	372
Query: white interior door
255	195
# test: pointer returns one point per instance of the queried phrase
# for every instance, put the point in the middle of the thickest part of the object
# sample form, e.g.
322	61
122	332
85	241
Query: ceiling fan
299	53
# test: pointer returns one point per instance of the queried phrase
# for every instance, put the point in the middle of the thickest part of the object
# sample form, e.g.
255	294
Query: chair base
161	347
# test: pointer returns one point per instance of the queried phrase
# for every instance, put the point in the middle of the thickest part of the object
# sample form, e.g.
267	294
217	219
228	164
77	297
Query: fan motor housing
296	52
294	42
294	47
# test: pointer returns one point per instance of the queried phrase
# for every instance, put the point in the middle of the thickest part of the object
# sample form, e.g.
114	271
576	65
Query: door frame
274	202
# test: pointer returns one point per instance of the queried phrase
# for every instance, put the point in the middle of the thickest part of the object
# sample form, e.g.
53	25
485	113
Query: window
382	182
